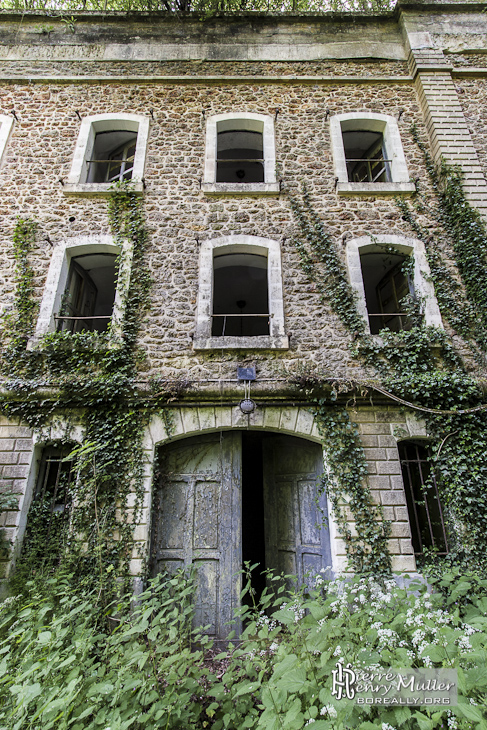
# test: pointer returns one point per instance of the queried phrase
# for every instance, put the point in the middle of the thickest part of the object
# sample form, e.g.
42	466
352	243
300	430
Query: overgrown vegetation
61	668
419	366
86	379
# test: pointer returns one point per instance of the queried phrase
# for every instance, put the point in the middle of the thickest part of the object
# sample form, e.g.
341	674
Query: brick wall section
445	121
379	431
15	457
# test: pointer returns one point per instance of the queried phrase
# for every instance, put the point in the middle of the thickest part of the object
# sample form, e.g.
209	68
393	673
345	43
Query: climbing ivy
89	379
346	485
418	368
461	292
19	320
321	262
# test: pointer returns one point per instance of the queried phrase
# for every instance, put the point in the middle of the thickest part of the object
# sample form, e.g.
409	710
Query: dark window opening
425	510
112	158
240	156
89	295
389	292
366	157
253	536
48	520
240	296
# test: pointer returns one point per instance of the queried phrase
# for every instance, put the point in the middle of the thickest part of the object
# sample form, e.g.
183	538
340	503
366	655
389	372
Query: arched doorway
225	497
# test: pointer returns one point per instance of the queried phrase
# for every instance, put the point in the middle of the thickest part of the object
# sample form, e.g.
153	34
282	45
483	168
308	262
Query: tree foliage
60	8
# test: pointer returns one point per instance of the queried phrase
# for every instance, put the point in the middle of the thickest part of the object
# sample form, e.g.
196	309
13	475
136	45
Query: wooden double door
226	497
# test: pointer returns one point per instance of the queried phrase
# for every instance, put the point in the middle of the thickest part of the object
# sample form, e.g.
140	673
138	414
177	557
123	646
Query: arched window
425	509
240	155
240	302
368	155
240	295
110	148
390	275
87	302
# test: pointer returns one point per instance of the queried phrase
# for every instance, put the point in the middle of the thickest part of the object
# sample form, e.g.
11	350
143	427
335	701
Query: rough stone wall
478	60
473	98
205	68
178	213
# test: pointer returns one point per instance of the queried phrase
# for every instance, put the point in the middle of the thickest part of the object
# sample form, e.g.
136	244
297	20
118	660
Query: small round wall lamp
247	405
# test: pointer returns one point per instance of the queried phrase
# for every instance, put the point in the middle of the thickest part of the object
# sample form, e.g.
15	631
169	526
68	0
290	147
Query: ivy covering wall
420	369
86	379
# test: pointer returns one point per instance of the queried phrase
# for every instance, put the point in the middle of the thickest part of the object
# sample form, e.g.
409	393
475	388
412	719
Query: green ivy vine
346	486
420	367
88	379
321	263
461	292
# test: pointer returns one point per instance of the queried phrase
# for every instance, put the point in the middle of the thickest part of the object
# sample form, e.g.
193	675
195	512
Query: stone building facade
302	88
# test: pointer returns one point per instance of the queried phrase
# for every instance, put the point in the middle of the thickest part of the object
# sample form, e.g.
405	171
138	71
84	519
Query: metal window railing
240	316
405	320
425	509
125	171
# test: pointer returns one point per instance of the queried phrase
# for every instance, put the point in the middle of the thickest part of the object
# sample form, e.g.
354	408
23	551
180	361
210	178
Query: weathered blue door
198	516
296	534
197	520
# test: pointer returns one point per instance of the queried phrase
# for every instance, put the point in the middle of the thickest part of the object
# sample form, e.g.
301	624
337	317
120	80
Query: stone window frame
59	430
90	125
270	186
57	277
423	285
203	339
387	125
6	125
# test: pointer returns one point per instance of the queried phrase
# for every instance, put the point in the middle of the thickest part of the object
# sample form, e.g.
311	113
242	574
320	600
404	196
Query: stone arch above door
186	421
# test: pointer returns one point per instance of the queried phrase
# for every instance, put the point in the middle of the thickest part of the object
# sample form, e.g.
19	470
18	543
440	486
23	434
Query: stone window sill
101	189
263	342
240	188
389	188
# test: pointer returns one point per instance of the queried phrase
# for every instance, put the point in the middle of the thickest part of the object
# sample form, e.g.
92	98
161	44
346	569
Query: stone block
387	441
406	546
389	417
379	481
375	428
403	564
396	482
400	529
388	467
401	512
392	498
370	441
393	546
375	454
362	416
